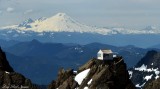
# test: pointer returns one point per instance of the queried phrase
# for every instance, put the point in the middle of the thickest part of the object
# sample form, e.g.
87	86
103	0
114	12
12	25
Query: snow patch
156	77
75	72
89	82
142	68
145	69
152	64
130	73
156	71
148	77
137	85
7	72
79	77
140	86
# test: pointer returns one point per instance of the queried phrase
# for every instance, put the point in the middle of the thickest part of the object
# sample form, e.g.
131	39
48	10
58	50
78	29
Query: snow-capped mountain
146	70
62	28
61	22
58	23
151	29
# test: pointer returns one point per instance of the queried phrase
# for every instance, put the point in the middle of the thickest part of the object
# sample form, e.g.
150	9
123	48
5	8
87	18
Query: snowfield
79	77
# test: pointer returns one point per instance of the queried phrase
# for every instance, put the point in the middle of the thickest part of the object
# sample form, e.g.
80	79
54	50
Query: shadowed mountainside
34	55
9	79
146	70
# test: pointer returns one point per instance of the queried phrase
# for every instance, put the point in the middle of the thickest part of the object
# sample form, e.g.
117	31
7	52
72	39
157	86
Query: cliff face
10	79
95	74
4	65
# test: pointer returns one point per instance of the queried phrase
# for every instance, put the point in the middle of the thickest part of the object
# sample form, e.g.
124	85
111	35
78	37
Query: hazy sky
102	13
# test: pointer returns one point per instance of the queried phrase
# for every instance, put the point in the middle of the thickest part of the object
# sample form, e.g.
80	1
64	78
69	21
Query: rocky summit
10	79
95	74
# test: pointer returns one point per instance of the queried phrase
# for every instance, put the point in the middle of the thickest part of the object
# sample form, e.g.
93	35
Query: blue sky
102	13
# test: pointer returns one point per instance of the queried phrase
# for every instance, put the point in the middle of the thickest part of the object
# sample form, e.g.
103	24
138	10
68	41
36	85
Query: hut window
99	55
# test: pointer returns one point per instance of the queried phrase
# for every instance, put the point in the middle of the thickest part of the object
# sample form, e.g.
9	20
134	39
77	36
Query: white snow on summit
58	23
61	22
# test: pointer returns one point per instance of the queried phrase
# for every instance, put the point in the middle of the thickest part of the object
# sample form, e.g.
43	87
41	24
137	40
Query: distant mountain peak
34	41
61	22
61	14
150	28
61	17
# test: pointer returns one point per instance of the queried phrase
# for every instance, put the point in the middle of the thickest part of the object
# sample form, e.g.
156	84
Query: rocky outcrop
10	79
150	57
153	84
146	70
108	74
65	80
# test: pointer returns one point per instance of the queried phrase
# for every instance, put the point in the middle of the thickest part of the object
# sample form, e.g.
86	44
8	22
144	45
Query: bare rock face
10	79
65	80
103	74
4	65
155	84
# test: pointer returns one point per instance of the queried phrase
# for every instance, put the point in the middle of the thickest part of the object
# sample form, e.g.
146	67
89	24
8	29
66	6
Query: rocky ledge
95	74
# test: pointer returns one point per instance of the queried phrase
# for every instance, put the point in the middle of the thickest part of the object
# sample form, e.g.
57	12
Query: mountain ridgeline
62	28
61	22
95	74
33	56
